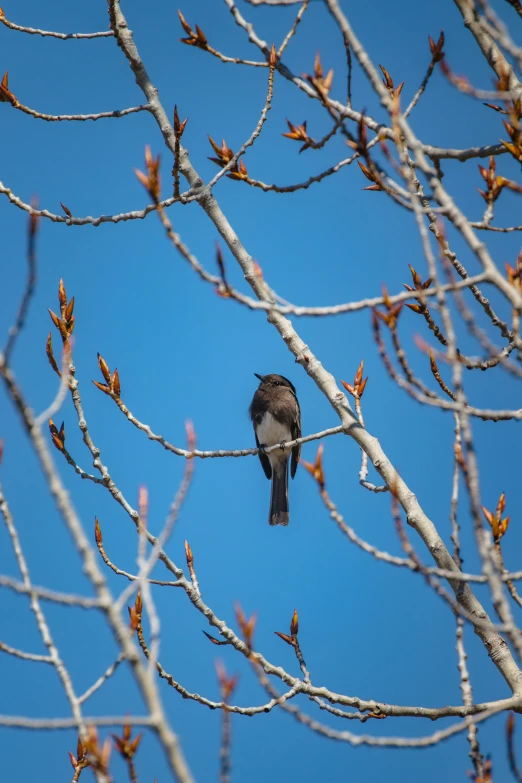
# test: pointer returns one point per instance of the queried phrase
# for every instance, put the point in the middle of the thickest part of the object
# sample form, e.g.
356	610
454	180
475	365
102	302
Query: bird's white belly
271	432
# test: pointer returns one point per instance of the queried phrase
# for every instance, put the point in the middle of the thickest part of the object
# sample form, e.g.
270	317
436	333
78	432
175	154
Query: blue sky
183	352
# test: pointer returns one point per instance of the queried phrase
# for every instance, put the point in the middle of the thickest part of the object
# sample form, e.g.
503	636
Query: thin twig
101	680
80	117
30	285
47	33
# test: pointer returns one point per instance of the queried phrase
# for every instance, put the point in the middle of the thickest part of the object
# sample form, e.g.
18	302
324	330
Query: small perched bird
276	417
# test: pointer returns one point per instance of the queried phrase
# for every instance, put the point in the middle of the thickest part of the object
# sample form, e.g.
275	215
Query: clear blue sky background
183	352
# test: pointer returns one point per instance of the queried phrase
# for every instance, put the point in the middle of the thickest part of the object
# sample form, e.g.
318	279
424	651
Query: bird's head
275	381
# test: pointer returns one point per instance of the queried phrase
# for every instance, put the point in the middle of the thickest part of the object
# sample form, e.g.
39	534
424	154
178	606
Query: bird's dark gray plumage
276	417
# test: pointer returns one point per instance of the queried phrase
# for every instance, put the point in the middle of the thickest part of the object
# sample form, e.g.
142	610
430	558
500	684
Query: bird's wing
296	433
265	462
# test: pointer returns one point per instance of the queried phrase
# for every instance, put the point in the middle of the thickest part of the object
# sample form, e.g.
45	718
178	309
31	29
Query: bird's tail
279	513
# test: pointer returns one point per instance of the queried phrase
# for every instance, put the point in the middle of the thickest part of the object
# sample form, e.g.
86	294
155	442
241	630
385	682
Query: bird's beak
261	377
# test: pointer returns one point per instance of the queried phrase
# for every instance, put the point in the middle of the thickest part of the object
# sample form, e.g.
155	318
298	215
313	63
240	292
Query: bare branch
80	117
46	33
15	330
25	655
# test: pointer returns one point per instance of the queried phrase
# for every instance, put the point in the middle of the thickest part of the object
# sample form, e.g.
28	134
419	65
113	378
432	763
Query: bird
276	417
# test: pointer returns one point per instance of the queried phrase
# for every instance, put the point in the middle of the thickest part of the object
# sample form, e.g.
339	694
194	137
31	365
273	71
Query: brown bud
133	747
134	621
5	93
57	442
415	276
56	321
366	171
97	532
359	374
294	625
318	68
227	684
69	310
316	470
50	354
215	641
388	81
179	127
104	368
138	605
327	81
349	388
62	295
201	36
142	178
214	146
247	626
105	754
101	387
487	514
415	308
495	107
115	383
272	60
56	435
378	314
188	554
184	24
92	741
60	325
436	48
285	637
